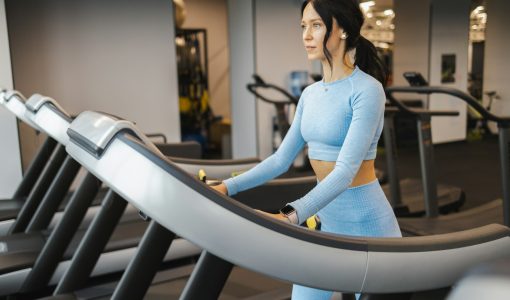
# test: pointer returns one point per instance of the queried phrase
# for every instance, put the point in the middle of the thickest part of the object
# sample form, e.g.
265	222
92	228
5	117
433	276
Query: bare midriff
366	172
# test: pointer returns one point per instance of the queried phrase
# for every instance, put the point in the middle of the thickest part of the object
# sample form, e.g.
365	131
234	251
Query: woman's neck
339	69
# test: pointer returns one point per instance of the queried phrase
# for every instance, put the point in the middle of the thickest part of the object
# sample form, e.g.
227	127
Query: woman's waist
356	204
365	174
329	152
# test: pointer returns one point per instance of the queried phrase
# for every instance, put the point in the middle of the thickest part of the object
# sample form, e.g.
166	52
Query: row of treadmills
137	208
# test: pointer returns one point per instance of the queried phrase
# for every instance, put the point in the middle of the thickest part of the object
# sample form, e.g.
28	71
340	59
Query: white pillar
242	63
279	51
449	36
497	65
10	160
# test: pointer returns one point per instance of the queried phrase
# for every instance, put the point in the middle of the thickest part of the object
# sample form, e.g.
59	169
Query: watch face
287	209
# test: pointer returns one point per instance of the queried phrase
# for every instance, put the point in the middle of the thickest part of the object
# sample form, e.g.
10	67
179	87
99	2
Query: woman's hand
222	188
277	216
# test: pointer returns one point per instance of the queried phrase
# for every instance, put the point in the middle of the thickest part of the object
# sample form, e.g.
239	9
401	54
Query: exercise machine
232	233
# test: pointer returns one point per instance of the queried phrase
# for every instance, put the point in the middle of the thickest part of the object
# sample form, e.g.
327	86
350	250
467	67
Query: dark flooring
473	166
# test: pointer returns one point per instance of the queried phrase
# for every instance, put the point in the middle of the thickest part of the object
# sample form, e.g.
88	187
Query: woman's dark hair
349	17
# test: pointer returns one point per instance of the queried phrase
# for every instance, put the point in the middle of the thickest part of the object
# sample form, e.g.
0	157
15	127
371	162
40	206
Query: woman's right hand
222	188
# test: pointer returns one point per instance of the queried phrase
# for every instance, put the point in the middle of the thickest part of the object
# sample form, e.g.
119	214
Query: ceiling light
388	12
366	5
478	9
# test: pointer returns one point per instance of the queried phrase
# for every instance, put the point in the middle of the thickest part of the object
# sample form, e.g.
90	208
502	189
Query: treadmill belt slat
488	213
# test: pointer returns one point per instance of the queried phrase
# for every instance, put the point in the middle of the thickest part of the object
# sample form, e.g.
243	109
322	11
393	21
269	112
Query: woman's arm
367	117
276	164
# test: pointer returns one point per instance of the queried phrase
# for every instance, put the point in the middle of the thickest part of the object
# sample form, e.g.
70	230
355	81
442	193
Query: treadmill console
415	79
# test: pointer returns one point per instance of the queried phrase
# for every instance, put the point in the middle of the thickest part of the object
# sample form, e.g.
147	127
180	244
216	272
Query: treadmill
51	190
30	249
409	196
232	233
495	211
40	182
156	242
448	198
280	105
41	171
34	258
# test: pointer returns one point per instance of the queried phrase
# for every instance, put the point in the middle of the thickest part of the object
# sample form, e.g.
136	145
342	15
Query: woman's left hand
277	216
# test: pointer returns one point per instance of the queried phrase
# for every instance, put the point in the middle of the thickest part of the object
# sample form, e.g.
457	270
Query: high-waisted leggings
359	211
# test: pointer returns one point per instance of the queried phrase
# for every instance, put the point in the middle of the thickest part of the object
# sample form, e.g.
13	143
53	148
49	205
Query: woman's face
314	31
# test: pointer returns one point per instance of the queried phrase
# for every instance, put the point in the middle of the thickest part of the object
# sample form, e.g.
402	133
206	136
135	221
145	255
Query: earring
343	36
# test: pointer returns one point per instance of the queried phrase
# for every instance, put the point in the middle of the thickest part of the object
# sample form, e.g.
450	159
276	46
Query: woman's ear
343	36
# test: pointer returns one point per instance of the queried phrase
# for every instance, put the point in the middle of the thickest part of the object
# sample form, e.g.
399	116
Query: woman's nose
306	34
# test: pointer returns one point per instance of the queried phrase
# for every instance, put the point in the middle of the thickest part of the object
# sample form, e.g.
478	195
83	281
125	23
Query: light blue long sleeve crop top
340	121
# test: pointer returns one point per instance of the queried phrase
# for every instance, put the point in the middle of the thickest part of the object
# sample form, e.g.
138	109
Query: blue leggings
359	211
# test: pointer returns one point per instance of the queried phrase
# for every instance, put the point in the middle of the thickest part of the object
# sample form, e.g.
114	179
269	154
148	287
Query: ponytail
369	62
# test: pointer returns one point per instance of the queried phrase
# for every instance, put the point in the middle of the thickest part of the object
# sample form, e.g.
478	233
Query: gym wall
116	56
10	160
412	42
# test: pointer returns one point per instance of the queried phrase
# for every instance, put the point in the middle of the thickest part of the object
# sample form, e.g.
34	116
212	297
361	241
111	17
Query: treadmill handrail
36	101
419	244
352	243
214	162
49	116
252	87
14	101
9	94
470	100
400	107
95	130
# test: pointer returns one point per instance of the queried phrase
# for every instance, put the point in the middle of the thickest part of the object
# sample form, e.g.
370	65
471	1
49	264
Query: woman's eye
316	25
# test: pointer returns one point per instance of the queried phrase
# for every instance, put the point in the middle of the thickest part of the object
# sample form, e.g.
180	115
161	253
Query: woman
341	119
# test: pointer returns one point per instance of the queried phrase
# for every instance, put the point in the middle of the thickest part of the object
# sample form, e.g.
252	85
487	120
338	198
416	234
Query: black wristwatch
290	213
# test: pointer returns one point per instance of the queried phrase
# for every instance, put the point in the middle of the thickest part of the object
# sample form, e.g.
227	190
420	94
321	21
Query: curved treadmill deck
449	198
